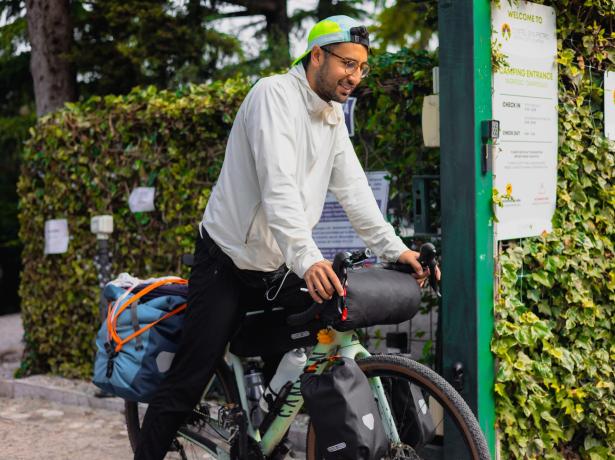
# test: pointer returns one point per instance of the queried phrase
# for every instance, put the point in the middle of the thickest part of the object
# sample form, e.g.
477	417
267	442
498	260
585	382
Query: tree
406	23
326	8
123	44
51	38
273	23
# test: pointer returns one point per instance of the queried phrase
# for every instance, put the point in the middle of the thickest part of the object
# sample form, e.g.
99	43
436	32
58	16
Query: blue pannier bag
138	340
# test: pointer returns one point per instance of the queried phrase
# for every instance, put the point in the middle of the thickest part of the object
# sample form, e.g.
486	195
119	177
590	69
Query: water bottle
290	368
255	384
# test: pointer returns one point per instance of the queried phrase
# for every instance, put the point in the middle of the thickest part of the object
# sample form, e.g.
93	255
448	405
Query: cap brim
296	61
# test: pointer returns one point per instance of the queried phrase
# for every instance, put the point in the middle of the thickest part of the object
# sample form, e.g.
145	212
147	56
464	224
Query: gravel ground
37	429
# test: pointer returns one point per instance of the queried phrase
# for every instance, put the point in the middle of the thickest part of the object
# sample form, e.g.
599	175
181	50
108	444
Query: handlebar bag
138	340
374	295
344	413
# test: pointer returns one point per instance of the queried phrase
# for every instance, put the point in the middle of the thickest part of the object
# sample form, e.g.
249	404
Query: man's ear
316	56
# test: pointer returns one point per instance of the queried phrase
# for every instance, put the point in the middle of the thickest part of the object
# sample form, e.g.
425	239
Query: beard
326	87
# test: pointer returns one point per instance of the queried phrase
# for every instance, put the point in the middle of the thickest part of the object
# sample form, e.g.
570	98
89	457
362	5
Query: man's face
332	82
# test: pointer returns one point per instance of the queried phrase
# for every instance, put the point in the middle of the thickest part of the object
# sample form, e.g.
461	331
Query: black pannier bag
344	413
374	295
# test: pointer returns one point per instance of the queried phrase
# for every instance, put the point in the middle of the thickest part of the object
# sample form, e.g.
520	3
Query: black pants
219	295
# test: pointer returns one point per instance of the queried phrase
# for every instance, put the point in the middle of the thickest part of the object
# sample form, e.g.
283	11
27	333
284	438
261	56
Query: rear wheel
202	428
432	419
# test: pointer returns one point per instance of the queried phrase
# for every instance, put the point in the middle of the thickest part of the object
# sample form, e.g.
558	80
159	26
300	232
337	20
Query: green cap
335	29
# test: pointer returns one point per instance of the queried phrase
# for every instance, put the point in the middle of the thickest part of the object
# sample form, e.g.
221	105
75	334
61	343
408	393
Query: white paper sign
334	233
609	105
56	236
142	199
525	102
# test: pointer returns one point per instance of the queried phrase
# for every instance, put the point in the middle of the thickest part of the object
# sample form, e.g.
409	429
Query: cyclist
287	147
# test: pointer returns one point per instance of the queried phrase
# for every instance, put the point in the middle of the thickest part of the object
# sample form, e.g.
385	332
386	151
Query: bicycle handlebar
341	262
344	260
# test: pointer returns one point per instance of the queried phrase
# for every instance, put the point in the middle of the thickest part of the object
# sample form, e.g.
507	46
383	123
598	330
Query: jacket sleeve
349	185
269	123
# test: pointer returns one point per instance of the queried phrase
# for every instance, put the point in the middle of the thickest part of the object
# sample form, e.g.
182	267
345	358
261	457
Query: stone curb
22	388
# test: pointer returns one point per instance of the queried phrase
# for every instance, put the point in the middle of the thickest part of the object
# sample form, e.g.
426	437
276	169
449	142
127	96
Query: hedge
554	340
85	159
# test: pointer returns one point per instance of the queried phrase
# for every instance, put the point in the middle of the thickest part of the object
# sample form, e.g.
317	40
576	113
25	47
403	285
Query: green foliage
83	161
119	45
388	136
554	340
13	132
405	23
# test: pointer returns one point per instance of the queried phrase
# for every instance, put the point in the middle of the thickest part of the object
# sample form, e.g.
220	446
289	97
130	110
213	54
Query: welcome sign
525	102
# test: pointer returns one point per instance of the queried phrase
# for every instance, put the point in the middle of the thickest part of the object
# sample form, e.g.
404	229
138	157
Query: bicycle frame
345	344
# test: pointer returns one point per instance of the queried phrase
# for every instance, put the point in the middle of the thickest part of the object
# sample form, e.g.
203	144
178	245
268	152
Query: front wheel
432	420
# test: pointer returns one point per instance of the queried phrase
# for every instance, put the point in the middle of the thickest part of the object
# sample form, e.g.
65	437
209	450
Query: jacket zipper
251	223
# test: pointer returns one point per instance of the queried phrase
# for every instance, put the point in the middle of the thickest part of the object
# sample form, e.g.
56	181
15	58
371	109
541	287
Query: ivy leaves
554	340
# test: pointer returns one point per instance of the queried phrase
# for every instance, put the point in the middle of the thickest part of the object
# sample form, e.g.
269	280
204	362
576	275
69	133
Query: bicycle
421	412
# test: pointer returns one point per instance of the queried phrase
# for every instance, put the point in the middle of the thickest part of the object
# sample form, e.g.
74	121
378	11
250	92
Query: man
287	147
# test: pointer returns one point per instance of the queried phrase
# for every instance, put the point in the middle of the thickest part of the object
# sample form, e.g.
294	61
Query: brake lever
427	259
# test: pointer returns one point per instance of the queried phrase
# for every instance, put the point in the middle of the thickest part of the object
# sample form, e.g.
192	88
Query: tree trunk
51	38
278	29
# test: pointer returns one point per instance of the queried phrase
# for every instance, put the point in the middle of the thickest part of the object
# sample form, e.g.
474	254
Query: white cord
279	288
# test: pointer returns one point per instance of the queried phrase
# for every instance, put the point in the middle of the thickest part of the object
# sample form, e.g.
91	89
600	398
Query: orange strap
112	319
179	309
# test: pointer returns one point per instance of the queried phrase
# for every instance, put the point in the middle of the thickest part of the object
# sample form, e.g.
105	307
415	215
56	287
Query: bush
85	160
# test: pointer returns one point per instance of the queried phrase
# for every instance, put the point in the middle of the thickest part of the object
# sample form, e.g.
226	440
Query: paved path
33	429
51	418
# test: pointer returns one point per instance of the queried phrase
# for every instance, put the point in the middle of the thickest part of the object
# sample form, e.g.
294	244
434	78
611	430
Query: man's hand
412	258
322	282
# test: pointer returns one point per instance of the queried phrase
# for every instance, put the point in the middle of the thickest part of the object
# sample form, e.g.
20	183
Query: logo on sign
506	31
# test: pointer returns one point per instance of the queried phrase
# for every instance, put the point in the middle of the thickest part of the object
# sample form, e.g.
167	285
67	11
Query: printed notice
525	103
142	199
56	236
609	105
334	233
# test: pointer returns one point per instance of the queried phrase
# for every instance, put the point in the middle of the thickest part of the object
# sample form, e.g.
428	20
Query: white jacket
286	148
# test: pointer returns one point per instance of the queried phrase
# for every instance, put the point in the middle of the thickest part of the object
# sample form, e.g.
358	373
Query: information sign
142	199
56	236
334	233
525	103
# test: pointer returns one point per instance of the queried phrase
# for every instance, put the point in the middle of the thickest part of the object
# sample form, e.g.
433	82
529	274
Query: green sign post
467	229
